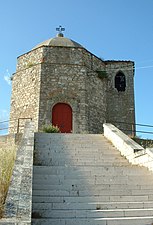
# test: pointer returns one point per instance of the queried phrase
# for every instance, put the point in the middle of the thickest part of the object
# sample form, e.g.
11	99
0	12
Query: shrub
50	129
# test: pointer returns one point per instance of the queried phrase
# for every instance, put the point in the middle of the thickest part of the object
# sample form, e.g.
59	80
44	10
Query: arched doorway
62	117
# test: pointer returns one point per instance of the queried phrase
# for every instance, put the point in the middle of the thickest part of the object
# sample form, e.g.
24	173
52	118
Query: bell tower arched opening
120	81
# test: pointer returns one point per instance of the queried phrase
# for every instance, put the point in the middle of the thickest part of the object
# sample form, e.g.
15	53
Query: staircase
83	180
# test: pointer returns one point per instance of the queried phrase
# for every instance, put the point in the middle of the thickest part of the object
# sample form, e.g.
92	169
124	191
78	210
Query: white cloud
7	77
4	115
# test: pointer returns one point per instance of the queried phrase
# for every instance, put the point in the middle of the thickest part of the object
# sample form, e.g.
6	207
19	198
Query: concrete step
92	221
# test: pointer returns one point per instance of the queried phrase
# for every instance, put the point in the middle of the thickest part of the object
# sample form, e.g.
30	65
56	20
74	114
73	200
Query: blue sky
110	29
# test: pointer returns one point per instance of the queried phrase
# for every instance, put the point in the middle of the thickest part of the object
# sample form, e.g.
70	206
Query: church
60	82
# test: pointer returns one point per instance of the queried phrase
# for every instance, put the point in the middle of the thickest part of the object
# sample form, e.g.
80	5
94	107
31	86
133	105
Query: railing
3	122
5	125
134	126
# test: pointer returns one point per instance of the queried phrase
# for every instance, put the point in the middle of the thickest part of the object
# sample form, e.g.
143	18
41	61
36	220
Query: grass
7	158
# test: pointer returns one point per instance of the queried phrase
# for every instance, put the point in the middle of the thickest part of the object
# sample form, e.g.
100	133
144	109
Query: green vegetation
50	129
102	74
7	158
145	143
30	64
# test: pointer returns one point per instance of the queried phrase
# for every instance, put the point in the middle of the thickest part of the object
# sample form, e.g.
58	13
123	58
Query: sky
110	29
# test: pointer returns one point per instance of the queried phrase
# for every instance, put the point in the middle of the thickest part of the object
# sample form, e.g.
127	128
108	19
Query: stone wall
25	90
64	84
96	102
29	59
50	74
67	77
120	105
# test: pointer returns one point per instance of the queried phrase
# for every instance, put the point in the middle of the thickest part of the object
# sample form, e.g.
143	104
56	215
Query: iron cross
60	29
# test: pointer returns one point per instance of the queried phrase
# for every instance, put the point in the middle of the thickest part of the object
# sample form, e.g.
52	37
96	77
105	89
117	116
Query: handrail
137	124
133	125
18	123
5	121
133	130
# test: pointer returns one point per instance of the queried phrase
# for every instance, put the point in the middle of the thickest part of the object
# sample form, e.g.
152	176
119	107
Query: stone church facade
61	82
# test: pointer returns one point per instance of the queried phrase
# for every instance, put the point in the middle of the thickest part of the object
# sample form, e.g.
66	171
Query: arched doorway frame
70	111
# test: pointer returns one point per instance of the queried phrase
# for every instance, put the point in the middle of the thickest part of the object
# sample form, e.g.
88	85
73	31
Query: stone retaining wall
19	198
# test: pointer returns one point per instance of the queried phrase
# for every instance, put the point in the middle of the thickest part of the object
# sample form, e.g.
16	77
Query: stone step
85	155
93	147
61	214
83	193
66	173
74	160
91	179
55	138
49	162
83	180
146	220
78	153
103	170
93	205
87	199
93	188
74	145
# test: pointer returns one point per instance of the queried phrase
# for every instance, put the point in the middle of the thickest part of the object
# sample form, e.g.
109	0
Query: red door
62	117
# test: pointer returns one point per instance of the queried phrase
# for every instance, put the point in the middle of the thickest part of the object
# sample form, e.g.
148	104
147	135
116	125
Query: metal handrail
18	123
133	127
137	124
5	121
119	122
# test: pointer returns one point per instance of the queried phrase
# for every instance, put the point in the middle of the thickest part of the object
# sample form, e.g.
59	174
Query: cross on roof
60	29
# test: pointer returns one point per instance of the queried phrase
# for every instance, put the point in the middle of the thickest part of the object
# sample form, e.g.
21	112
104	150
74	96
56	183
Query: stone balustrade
130	149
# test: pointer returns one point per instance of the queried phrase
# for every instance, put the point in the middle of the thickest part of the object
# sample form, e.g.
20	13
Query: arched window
120	81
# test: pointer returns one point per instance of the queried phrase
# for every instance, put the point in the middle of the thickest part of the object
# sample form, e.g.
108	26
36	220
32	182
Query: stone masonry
60	70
